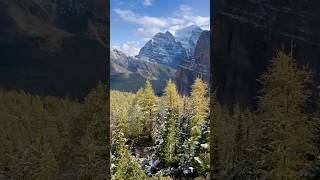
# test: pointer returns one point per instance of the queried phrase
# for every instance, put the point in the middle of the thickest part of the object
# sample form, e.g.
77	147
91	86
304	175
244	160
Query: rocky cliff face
164	49
198	66
53	47
246	35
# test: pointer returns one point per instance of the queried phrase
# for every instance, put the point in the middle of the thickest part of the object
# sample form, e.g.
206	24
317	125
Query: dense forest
168	137
162	136
53	138
279	139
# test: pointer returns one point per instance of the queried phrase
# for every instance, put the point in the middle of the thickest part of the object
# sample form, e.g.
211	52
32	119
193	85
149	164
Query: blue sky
134	22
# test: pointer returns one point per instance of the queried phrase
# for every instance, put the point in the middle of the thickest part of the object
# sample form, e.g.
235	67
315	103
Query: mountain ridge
130	73
164	49
146	67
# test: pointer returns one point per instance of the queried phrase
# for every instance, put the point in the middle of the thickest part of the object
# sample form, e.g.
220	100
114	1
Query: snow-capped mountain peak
188	37
164	49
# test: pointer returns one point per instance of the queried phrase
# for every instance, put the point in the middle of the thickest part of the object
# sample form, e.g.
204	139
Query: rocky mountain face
47	46
246	35
130	73
188	37
119	62
162	58
164	49
198	66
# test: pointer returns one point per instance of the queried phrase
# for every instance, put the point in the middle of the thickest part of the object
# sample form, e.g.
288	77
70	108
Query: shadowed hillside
53	47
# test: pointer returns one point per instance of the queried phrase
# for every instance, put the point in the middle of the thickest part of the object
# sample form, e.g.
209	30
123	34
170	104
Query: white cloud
187	13
150	25
147	2
201	21
147	31
115	47
131	48
174	28
149	21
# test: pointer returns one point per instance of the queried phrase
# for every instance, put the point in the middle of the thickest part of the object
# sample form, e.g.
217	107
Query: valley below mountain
182	59
130	73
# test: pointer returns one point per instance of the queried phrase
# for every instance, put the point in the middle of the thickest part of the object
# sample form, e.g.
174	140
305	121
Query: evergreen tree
91	164
285	129
167	137
91	153
184	151
313	171
224	140
184	123
148	108
202	150
171	96
137	116
160	140
199	105
125	165
245	143
186	159
195	159
95	111
169	149
47	166
44	138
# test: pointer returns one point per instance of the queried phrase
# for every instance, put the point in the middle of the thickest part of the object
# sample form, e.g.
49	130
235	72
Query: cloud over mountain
150	25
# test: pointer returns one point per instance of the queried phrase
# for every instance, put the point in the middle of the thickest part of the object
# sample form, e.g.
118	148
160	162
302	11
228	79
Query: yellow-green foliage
45	137
285	125
199	104
145	116
120	102
34	132
149	108
171	96
120	106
